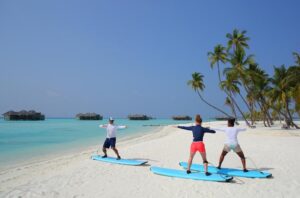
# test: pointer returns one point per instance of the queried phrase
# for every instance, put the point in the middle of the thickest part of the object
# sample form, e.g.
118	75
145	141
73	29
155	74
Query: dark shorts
110	142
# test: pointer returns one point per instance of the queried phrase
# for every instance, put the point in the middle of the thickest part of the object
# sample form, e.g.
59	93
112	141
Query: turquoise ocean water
22	141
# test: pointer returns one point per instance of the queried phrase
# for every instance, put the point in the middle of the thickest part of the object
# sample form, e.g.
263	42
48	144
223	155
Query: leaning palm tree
239	62
218	55
197	85
296	96
237	40
259	86
231	87
236	44
294	81
282	91
296	72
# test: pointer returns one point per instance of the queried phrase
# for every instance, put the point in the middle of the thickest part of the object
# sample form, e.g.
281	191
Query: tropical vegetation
266	98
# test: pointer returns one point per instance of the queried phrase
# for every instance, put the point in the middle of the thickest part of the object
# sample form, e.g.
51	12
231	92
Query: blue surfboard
121	161
193	175
228	171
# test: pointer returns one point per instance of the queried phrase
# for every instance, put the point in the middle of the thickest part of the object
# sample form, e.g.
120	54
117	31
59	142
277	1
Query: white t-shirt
111	130
231	134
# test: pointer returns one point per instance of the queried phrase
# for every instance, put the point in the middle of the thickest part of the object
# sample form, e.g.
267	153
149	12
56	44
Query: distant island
23	115
139	117
89	116
185	117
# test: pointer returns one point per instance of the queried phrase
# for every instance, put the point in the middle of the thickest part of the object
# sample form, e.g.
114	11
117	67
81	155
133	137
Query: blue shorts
110	142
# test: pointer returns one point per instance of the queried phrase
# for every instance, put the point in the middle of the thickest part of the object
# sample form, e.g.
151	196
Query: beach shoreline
55	155
25	141
76	175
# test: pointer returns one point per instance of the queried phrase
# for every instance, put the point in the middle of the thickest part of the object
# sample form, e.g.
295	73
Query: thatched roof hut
89	116
180	117
23	115
221	118
138	117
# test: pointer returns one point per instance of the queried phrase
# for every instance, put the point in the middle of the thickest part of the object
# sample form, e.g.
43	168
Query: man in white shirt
231	143
110	141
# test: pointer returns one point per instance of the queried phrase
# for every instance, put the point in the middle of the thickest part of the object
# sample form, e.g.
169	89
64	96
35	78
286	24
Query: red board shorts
197	146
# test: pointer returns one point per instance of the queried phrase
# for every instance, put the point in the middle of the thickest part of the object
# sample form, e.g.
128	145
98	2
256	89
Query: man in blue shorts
110	141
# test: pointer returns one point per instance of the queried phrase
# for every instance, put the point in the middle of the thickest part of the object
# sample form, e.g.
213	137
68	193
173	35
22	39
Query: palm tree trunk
290	116
239	109
267	109
264	109
212	105
268	121
228	93
231	106
248	93
245	101
219	72
233	110
286	119
266	115
250	108
251	113
269	116
264	121
234	102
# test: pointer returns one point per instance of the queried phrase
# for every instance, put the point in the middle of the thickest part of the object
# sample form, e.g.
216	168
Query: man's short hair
231	121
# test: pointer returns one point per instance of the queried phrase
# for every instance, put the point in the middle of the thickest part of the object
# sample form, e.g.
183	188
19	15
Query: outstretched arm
122	127
207	130
103	126
185	128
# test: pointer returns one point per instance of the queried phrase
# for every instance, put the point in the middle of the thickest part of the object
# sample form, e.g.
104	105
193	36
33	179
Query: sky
120	57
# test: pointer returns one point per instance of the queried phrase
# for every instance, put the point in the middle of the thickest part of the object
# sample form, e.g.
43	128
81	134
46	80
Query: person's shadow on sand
265	169
144	159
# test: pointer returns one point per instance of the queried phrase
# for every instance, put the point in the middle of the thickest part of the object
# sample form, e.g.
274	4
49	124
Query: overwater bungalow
23	115
185	117
138	117
89	116
221	118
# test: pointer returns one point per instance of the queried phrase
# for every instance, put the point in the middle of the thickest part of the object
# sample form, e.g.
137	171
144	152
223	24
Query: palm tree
239	62
237	40
231	87
282	91
251	101
294	81
296	96
296	72
219	54
259	86
197	85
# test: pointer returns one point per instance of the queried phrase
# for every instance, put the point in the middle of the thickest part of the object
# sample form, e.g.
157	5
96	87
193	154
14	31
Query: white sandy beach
77	175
